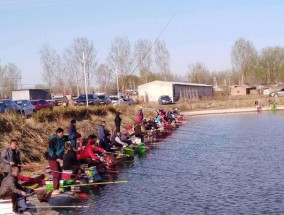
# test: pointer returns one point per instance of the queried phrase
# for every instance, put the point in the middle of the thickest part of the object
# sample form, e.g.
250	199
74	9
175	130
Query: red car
41	104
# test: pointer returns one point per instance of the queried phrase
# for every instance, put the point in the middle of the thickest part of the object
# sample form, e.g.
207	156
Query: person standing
72	130
140	116
55	153
10	188
117	121
102	133
10	157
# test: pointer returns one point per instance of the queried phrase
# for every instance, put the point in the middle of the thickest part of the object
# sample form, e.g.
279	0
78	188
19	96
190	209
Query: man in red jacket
91	152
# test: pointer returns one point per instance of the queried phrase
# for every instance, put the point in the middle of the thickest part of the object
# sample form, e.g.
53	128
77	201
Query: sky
200	30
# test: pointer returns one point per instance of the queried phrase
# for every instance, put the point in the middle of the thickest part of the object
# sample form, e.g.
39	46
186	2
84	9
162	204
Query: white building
153	90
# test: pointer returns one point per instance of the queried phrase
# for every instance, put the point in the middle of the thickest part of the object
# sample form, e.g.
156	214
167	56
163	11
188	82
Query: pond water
218	164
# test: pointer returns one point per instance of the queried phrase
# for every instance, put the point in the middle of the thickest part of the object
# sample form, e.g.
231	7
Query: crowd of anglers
67	152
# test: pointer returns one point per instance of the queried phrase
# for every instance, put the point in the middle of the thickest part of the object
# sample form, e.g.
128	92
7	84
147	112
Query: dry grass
33	133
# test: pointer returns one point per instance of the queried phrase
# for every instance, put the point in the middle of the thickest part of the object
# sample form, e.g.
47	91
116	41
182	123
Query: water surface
218	164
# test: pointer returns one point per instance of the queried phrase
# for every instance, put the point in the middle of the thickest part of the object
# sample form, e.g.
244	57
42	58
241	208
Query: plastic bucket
129	151
66	174
49	185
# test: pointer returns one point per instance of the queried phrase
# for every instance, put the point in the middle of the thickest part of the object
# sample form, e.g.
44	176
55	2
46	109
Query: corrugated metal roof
181	83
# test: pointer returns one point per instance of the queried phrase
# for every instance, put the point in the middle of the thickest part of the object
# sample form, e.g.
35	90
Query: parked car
92	100
278	93
26	107
164	100
60	101
114	100
129	101
8	105
41	104
104	99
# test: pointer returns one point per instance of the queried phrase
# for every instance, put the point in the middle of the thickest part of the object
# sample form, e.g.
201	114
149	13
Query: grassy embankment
33	133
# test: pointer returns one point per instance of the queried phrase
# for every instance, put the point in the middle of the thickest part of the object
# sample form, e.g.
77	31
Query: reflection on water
220	164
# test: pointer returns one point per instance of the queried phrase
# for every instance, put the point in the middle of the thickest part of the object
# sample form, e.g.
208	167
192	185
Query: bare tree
120	59
162	59
48	58
143	58
271	64
73	58
10	79
104	77
60	74
198	73
244	58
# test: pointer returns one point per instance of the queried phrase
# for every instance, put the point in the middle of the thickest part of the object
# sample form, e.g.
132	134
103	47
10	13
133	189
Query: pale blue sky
201	31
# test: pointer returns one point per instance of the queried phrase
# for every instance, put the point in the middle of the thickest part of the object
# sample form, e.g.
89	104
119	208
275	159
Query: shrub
5	126
47	115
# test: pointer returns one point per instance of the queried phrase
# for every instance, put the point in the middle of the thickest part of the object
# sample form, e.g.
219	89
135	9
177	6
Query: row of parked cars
27	108
24	107
102	99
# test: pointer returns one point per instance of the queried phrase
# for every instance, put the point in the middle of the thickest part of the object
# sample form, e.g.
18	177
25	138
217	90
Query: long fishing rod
96	183
59	206
151	174
156	40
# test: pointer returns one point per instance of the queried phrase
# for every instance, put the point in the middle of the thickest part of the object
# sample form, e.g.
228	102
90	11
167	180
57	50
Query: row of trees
248	66
10	79
65	72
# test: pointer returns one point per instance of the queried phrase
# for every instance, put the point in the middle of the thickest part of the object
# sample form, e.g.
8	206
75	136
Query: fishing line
157	39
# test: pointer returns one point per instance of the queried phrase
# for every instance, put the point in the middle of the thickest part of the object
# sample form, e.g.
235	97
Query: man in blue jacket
56	146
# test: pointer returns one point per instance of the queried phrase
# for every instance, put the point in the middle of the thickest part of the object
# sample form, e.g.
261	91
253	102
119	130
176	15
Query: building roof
29	89
180	83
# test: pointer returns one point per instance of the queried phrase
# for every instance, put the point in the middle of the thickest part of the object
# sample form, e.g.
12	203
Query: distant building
153	90
31	94
243	90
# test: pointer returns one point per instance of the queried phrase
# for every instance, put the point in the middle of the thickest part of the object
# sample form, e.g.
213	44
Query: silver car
26	107
278	93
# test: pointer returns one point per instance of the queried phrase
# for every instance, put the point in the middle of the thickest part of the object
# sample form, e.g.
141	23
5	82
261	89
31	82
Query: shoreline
227	111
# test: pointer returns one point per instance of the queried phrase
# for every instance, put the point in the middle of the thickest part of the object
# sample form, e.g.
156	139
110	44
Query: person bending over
55	154
70	161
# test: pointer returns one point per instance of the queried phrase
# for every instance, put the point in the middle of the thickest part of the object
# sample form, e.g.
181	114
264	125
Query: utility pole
117	85
85	77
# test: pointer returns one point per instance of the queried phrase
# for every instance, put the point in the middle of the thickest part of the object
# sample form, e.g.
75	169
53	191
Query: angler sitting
70	161
118	142
88	153
106	145
10	188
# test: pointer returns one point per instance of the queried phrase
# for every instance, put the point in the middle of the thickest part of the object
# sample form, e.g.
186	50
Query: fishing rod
96	183
59	206
151	174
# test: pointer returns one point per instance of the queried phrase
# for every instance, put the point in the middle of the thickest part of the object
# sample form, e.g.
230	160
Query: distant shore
227	111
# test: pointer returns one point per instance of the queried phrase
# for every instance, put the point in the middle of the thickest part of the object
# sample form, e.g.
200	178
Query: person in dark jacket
102	133
106	145
70	161
138	132
117	121
10	157
73	130
10	188
56	146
